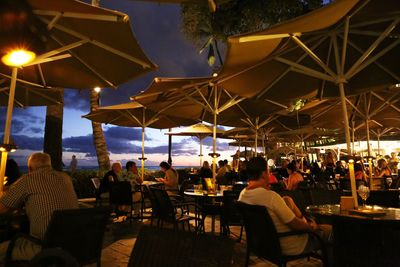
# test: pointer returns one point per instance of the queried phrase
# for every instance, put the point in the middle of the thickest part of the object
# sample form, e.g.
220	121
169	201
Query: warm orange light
17	58
97	89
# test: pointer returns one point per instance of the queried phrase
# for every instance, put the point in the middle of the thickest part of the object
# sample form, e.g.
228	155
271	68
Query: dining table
367	236
201	197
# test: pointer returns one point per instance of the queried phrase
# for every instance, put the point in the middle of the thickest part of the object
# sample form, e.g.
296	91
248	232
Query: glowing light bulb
19	57
97	89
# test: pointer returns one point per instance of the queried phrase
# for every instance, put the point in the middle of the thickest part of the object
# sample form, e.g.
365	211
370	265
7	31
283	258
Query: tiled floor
120	239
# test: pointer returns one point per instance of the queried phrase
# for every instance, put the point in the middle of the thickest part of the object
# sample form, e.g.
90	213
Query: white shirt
280	214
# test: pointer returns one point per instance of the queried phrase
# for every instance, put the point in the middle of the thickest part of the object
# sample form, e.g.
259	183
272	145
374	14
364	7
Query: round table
205	195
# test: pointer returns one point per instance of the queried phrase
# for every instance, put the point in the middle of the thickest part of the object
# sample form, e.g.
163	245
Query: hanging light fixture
23	35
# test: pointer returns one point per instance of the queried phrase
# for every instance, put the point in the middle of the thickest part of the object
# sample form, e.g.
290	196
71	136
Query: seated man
284	213
41	191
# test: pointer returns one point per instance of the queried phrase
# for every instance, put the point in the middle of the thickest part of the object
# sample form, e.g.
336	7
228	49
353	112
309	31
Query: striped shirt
42	191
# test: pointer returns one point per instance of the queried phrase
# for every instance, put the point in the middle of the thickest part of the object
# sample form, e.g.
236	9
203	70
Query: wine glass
363	192
389	181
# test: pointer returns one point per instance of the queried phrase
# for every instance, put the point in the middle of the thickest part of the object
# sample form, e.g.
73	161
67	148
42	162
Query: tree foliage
206	29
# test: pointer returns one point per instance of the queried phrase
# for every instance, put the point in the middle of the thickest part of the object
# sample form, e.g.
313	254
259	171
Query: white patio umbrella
133	114
199	130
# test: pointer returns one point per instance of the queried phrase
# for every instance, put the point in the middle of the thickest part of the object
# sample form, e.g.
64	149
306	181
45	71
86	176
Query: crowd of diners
43	190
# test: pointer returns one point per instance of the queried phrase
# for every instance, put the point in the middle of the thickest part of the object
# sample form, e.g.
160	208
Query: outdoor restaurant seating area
309	104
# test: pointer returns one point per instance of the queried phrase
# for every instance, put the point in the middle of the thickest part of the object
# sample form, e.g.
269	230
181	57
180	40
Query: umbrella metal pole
368	137
379	142
215	135
170	148
353	152
142	159
201	152
7	128
347	135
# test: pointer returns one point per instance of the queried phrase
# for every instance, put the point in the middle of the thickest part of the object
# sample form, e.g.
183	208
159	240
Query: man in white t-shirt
284	218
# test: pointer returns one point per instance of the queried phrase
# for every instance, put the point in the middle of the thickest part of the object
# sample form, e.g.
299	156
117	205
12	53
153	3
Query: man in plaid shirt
41	191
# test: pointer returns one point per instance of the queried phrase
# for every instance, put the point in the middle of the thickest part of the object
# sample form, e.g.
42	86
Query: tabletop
369	212
192	193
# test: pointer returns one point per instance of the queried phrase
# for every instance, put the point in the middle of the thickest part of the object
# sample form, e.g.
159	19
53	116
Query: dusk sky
158	30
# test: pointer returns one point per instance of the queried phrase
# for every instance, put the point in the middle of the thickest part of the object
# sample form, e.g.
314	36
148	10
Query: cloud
24	122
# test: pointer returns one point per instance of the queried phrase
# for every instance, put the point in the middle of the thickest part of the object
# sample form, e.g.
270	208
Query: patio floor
120	239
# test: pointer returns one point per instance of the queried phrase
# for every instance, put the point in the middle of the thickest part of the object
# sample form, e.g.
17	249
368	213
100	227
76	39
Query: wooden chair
157	247
263	239
78	231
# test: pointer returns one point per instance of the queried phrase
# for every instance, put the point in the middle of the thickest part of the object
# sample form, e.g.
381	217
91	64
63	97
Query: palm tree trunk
98	136
53	135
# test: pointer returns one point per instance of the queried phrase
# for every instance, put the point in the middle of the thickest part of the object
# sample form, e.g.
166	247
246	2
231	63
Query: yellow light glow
215	74
97	89
2	149
17	58
13	150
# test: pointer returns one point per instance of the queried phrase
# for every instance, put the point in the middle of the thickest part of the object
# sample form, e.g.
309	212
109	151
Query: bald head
39	160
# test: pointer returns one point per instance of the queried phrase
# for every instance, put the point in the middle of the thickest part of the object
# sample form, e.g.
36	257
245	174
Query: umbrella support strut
7	129
347	134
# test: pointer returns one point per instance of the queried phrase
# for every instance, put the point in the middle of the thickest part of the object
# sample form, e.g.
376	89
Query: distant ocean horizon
24	169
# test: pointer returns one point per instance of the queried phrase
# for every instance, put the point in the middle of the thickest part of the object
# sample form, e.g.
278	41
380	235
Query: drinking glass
363	192
389	181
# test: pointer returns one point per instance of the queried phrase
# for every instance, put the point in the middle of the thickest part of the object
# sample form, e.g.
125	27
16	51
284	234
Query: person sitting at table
271	177
340	169
294	177
227	166
222	173
42	190
112	176
382	170
359	173
284	213
171	178
205	171
132	175
282	172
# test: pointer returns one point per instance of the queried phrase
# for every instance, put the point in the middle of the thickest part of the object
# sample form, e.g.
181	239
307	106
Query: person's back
41	191
173	179
45	191
280	214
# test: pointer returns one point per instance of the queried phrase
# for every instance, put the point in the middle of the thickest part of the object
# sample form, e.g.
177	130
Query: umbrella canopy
27	96
198	98
133	114
85	47
201	131
82	47
346	47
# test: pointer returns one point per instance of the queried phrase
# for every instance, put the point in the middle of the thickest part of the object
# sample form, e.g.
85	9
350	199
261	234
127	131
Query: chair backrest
262	238
166	210
154	204
230	213
78	231
322	197
186	184
121	193
166	248
96	183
